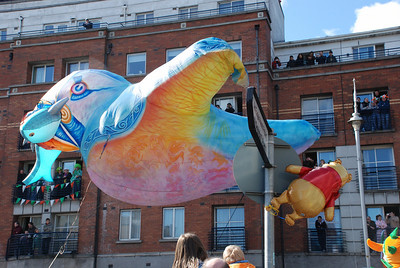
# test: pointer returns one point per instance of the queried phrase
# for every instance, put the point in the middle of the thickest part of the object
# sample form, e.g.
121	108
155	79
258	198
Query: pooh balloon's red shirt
326	179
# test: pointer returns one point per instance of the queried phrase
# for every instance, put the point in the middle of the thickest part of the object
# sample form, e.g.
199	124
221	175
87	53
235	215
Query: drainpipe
96	231
276	87
21	20
109	47
125	7
257	28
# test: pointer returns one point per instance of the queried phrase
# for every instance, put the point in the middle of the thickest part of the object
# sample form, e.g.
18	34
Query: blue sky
306	19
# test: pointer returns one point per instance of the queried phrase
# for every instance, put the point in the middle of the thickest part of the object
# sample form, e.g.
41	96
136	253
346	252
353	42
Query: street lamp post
356	121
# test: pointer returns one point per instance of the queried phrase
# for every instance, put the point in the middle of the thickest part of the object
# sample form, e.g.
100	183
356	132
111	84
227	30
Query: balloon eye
31	134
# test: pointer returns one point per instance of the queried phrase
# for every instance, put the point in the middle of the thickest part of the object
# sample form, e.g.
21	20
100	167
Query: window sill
168	240
129	242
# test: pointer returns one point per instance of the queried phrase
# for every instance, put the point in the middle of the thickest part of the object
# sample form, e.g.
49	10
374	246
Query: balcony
380	178
39	192
31	245
375	121
220	238
350	57
324	122
140	22
335	240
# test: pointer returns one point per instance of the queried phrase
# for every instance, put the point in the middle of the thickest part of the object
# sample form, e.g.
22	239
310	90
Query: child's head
233	254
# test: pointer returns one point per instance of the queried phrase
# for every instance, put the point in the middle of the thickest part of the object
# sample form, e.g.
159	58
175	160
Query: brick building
110	233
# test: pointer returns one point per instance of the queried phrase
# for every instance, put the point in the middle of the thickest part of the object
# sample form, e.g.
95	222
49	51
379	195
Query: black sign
258	124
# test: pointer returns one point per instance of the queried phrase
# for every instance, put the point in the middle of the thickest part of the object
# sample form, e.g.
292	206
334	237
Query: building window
48	29
62	28
172	53
173	222
231	7
334	239
366	52
321	157
3	34
43	73
235	100
76	66
319	112
145	18
187	13
237	47
383	211
379	170
129	228
136	64
229	228
66	223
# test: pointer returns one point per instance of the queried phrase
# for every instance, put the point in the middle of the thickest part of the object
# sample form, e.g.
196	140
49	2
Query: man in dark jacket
321	227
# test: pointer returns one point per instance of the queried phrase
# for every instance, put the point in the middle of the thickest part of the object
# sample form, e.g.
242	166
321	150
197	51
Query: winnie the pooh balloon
315	191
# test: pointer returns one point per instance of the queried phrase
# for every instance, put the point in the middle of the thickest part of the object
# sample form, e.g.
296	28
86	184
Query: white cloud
377	16
330	32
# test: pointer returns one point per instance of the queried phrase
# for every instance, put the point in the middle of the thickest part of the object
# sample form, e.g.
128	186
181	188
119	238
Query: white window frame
188	12
230	223
80	65
172	53
174	223
317	112
237	47
222	101
133	56
138	225
148	18
44	78
228	7
71	219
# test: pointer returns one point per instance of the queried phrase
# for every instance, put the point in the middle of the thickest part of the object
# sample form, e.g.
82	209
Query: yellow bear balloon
316	190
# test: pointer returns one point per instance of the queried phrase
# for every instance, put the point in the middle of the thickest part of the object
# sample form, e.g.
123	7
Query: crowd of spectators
308	60
375	112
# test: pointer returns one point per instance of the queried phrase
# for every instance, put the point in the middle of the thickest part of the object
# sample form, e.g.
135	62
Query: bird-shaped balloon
156	142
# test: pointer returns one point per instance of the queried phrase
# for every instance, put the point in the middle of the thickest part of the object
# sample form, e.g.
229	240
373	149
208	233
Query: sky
306	19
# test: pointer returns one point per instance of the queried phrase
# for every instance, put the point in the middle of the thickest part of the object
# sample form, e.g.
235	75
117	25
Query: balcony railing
38	192
335	240
141	22
30	245
348	57
220	238
324	122
380	178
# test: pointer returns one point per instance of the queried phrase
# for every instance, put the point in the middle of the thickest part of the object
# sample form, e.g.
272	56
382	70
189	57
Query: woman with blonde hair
189	252
234	256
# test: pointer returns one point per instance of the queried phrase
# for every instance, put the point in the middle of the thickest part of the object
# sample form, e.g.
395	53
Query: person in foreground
234	256
215	263
189	252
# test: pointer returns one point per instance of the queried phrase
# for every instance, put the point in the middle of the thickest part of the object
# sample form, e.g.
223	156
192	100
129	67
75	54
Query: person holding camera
392	221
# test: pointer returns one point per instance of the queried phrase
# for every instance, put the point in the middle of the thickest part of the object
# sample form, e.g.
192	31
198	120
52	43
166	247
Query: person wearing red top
276	63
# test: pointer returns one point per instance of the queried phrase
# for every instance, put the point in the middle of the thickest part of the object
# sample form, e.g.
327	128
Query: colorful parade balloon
156	142
390	250
315	191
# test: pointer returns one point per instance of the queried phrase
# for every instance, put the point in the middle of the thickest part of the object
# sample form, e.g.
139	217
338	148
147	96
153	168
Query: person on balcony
310	60
384	109
15	238
371	227
320	58
88	24
375	118
189	252
321	227
234	256
29	233
58	180
392	221
377	95
18	188
276	64
229	108
76	179
331	58
291	63
299	60
47	230
366	115
380	227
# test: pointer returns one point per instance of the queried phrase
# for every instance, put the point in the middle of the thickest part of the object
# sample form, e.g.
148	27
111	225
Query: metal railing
348	57
334	239
220	238
380	178
40	192
30	245
143	22
324	122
